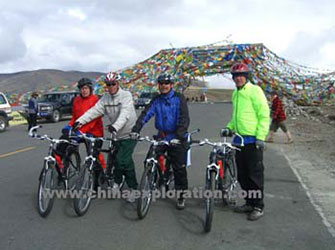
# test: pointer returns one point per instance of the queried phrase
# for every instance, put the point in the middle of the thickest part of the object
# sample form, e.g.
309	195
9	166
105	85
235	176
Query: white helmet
112	77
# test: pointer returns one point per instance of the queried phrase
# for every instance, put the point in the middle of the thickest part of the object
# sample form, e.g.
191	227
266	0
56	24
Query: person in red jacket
81	104
278	118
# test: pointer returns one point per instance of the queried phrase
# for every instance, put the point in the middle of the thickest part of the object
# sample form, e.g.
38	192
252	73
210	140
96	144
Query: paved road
290	222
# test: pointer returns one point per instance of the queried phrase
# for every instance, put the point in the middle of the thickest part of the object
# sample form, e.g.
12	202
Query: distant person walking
32	110
278	118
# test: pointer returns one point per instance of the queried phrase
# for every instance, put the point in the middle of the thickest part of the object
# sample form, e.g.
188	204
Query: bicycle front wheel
45	195
210	185
147	185
84	191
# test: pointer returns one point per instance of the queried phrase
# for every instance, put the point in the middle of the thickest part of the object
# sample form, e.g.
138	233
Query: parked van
144	99
5	110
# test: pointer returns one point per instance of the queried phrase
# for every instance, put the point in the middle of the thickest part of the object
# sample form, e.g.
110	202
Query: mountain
24	81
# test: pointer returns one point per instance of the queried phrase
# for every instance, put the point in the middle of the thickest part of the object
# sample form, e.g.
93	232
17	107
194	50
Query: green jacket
251	114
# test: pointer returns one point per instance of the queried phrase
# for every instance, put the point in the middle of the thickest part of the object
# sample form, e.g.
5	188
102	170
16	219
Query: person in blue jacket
32	110
172	121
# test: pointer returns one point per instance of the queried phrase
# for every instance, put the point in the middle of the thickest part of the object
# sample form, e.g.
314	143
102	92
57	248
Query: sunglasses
108	84
164	82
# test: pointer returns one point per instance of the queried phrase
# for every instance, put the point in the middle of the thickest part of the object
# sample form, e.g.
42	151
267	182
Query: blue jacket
171	116
32	106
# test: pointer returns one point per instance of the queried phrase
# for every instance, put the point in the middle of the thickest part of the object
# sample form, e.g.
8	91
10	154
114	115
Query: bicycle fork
153	164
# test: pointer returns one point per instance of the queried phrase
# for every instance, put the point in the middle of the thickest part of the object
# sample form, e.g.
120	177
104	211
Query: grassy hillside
41	79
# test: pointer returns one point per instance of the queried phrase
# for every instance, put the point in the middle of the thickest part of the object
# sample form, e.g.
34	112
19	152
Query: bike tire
45	188
72	165
210	185
147	185
170	183
84	190
111	166
230	182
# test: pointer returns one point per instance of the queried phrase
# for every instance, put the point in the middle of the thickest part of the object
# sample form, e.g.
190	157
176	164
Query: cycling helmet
112	77
239	68
165	78
85	82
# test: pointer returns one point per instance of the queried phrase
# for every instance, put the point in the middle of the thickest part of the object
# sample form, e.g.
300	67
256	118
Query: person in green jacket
251	120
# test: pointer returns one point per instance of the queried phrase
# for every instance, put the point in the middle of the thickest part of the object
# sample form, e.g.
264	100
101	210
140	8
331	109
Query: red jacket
80	106
278	113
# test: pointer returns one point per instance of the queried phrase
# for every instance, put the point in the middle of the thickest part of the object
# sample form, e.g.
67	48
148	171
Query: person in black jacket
172	121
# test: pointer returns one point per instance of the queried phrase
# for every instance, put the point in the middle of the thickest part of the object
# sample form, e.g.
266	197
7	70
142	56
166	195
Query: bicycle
71	162
92	174
221	175
156	174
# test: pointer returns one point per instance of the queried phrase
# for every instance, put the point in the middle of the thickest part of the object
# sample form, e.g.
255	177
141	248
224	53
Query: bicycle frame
215	171
45	199
52	147
152	156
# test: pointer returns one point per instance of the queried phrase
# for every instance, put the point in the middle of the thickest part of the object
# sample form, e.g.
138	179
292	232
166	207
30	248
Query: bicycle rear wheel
72	164
168	177
210	185
84	191
147	185
229	182
45	195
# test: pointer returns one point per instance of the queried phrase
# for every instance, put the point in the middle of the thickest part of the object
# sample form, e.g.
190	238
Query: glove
89	135
75	134
78	132
111	129
225	132
175	141
260	144
66	130
76	125
134	135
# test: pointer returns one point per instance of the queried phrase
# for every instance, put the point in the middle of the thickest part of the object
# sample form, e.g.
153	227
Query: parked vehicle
144	99
55	105
5	110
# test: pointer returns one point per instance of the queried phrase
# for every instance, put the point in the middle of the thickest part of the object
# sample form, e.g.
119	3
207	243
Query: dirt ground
312	128
314	137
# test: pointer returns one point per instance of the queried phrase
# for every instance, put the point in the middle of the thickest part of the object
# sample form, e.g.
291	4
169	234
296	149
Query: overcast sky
91	35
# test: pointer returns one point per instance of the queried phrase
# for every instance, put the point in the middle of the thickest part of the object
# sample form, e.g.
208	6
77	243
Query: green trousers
124	164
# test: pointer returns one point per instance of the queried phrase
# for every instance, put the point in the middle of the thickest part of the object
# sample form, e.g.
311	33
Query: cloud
107	35
76	13
315	49
12	46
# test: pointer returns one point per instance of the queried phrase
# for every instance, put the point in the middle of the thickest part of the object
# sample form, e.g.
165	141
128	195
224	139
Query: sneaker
269	140
289	141
243	209
181	203
115	186
131	196
256	214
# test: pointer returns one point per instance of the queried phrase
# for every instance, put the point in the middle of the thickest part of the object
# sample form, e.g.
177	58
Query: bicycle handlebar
214	144
194	131
242	139
33	133
153	141
158	143
93	139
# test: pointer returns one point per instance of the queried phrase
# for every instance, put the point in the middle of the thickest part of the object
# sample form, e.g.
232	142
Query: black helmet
165	78
85	81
